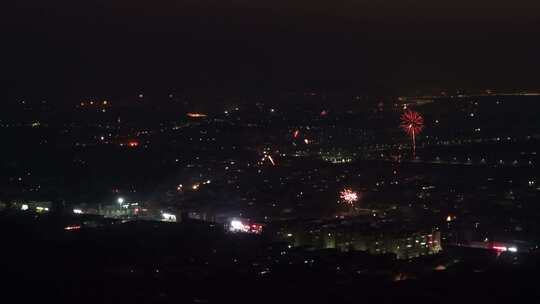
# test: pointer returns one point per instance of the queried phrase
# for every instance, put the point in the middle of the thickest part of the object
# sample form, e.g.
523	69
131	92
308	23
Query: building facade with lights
347	236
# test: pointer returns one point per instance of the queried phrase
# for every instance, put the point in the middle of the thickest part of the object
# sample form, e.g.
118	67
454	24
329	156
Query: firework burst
348	196
412	123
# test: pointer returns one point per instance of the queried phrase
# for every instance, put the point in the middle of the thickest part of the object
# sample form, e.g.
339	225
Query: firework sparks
271	160
268	157
348	196
412	123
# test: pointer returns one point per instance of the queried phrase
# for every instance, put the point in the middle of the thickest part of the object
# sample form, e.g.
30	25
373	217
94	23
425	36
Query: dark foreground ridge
197	262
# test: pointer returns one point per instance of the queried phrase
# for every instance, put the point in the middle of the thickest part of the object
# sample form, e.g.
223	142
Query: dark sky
111	46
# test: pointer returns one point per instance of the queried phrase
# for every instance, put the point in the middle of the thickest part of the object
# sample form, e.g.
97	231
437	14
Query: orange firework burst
412	123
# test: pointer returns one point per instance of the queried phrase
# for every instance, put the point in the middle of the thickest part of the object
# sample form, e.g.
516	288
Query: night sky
117	46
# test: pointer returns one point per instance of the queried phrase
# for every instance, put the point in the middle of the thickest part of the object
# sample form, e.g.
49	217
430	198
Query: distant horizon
105	47
216	94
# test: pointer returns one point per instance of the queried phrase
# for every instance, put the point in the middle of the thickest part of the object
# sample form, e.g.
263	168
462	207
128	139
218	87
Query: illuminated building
404	246
346	236
129	211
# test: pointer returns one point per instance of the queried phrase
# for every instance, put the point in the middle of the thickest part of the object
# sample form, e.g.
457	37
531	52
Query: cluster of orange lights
196	115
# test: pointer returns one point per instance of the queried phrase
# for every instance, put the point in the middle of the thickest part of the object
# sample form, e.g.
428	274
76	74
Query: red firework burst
412	122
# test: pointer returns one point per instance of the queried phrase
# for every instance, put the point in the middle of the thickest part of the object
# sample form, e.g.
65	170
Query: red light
133	143
296	133
499	248
256	229
72	228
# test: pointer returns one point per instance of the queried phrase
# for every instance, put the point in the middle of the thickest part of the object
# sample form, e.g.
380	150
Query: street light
120	200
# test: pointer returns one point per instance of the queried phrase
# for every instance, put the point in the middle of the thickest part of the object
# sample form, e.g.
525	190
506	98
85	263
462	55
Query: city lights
168	217
270	151
40	209
245	227
237	226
